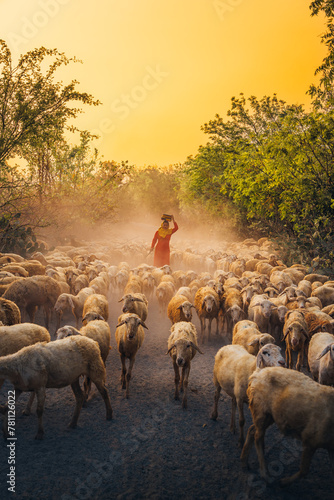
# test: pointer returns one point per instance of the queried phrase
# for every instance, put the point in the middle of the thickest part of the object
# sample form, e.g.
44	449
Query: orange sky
162	68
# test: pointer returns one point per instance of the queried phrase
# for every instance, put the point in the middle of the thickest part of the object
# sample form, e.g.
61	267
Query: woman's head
165	224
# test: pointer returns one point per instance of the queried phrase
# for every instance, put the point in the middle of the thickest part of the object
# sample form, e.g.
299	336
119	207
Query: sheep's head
183	351
236	313
92	316
66	331
132	323
186	307
209	303
269	355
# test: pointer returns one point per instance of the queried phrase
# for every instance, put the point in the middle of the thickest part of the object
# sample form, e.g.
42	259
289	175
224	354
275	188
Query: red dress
162	251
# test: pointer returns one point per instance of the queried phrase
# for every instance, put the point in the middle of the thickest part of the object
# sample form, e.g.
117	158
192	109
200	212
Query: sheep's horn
120	300
169	350
196	347
325	351
143	324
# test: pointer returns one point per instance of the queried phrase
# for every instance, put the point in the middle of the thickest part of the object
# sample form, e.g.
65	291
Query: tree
32	105
322	94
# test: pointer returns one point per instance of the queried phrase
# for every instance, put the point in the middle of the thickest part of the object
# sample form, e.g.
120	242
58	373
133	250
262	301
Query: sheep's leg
4	411
241	422
87	387
128	375
46	316
27	410
79	399
202	329
176	379
58	318
300	359
247	446
40	393
234	406
123	371
259	445
307	455
185	376
260	429
105	395
214	413
209	328
31	310
288	357
217	326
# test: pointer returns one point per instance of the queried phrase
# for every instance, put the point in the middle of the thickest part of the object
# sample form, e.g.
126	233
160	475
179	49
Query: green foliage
33	107
150	189
274	164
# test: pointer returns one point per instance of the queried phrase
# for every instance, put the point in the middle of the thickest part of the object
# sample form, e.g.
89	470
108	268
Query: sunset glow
162	68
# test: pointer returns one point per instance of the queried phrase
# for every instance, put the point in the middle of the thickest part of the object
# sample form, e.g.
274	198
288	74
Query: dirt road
152	448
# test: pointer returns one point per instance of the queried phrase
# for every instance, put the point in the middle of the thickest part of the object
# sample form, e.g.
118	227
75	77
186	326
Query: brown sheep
207	307
295	333
129	337
299	406
9	312
32	292
95	307
179	309
182	347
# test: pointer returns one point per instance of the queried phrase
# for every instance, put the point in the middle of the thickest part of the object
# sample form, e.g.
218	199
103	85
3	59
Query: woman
162	236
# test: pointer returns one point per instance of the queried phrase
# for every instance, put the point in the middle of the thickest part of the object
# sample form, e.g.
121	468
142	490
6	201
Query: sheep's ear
141	322
325	351
120	324
169	350
179	307
137	299
254	342
196	347
120	300
203	303
286	333
259	360
193	306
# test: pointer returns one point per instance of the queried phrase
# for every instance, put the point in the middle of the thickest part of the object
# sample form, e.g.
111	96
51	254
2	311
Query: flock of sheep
257	304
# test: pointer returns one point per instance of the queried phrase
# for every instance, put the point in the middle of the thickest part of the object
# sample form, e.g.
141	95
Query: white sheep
55	365
321	358
164	292
259	311
97	330
96	306
232	369
182	347
299	406
129	338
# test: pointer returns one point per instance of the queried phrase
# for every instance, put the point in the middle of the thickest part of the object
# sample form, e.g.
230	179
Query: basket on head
166	217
